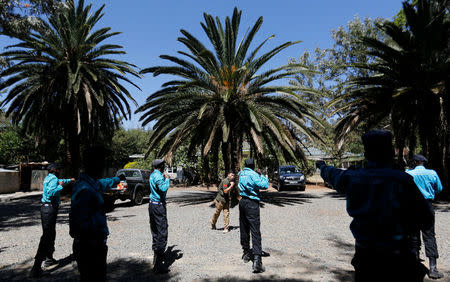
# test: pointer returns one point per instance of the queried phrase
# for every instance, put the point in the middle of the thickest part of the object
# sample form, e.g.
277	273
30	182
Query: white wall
9	182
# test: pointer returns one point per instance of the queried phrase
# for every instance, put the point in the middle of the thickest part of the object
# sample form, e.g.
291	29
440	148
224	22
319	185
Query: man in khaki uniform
222	202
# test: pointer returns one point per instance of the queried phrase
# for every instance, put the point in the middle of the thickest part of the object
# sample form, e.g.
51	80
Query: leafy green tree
221	97
407	82
17	18
125	143
64	85
331	69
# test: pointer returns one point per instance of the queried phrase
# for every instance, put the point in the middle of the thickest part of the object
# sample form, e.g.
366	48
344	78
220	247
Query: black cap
158	162
249	162
54	166
419	158
378	145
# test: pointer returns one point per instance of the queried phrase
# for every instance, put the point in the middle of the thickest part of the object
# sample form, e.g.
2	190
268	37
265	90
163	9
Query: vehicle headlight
302	178
283	177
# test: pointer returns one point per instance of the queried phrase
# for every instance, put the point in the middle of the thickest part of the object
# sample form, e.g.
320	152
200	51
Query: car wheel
138	196
301	188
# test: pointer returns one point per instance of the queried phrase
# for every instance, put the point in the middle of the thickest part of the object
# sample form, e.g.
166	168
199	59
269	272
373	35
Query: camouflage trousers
226	214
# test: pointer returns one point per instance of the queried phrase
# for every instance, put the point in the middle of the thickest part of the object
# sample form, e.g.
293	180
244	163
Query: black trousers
429	239
249	223
375	265
46	247
90	256
158	226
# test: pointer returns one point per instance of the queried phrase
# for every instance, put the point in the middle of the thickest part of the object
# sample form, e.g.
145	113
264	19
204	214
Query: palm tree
63	84
220	99
408	83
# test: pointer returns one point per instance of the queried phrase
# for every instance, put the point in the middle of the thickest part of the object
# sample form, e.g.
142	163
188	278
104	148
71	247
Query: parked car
135	188
288	176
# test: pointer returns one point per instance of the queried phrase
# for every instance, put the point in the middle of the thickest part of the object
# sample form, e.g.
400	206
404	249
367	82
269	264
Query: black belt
248	198
48	204
157	203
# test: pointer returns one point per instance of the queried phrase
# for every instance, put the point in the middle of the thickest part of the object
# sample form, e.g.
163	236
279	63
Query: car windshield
291	169
130	173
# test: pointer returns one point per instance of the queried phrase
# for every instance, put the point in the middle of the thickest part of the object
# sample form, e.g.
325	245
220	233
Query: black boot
434	273
158	263
50	261
247	256
36	270
257	264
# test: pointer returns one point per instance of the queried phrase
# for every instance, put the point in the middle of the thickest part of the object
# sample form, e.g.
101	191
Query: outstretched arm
66	181
332	176
106	184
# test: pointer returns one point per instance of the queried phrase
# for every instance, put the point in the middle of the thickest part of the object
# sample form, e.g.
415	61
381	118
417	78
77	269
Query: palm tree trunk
206	170
236	152
215	164
226	155
74	143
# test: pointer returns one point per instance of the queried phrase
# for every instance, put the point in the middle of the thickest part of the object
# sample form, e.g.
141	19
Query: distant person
222	202
387	208
159	184
49	211
87	217
250	182
429	184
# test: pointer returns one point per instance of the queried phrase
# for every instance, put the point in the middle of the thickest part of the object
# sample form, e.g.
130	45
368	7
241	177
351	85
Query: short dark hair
378	146
94	159
250	163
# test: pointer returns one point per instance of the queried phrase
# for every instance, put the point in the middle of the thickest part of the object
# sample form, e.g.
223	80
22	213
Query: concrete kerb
18	195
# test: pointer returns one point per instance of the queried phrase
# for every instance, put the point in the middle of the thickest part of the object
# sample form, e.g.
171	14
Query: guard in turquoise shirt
250	182
49	211
159	184
429	184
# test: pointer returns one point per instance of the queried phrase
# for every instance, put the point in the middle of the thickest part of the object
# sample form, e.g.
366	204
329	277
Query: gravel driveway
306	233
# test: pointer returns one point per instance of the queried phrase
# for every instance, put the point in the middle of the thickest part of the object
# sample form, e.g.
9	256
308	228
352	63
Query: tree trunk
206	170
215	164
226	155
74	143
236	152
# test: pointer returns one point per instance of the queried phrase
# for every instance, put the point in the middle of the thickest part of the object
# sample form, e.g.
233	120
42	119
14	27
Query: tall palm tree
64	84
408	83
220	98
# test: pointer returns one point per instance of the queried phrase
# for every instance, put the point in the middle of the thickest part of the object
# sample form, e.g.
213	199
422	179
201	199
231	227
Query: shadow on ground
123	269
193	198
26	212
280	199
335	195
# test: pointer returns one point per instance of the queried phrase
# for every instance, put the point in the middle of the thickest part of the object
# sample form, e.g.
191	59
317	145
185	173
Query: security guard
387	208
159	184
429	184
87	218
250	182
49	211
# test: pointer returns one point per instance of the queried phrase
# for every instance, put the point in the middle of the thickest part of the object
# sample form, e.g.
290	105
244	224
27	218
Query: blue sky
151	28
